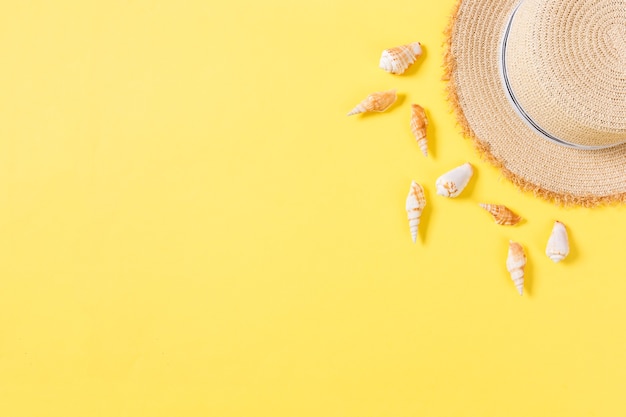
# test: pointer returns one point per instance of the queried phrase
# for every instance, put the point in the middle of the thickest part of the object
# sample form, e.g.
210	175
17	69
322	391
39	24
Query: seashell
378	102
515	263
453	182
415	203
502	214
418	127
558	244
397	60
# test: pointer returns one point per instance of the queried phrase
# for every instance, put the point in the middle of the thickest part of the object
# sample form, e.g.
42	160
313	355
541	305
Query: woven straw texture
577	93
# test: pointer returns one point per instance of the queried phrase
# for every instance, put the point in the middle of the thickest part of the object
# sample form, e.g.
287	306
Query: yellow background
191	226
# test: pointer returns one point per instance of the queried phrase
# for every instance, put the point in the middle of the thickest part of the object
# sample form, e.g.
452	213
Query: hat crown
565	62
617	41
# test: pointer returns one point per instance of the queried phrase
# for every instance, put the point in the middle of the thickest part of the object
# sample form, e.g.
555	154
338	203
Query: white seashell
515	263
397	60
453	182
377	102
418	127
415	203
558	244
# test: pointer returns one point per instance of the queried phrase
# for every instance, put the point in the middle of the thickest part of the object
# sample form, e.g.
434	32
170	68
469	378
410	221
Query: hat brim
554	172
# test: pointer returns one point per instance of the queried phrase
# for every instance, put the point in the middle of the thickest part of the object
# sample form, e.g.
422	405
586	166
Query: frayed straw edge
484	150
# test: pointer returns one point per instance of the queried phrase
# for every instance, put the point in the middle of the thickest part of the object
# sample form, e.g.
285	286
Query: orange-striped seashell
375	102
502	214
415	203
397	60
515	263
418	127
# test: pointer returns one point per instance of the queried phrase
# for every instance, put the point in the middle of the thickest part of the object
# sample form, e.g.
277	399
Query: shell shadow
574	254
431	132
528	276
469	189
425	219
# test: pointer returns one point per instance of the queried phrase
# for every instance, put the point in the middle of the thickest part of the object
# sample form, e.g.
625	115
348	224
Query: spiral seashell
515	263
397	60
453	182
502	214
418	127
415	203
558	244
377	102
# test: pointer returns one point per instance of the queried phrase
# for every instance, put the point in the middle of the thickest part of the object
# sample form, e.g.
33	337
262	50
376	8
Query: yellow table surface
191	226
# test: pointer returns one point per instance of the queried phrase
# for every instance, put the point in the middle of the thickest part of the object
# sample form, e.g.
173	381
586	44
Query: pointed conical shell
558	244
397	60
515	263
502	214
418	127
378	102
453	182
415	203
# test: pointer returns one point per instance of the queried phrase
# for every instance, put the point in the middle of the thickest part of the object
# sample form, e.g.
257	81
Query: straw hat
540	86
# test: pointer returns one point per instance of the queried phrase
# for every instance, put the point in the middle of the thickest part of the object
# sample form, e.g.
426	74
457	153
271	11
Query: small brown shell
375	102
502	214
418	127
